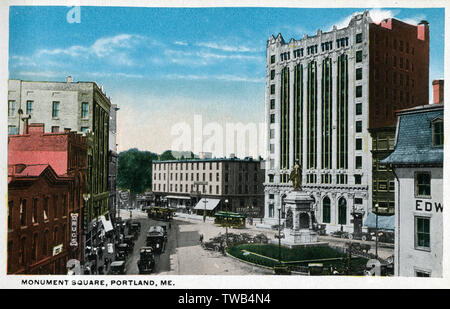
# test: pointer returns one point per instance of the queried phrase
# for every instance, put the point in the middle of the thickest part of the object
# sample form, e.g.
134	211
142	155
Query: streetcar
229	219
161	213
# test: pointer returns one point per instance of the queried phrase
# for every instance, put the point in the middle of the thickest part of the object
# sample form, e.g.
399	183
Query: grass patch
267	255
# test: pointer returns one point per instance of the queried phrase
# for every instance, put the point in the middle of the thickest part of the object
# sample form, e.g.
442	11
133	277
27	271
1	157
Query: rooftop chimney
35	128
438	91
68	79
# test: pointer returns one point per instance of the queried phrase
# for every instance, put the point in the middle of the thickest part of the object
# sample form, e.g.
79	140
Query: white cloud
115	47
180	43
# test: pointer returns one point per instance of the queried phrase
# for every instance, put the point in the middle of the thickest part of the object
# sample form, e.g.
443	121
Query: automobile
123	249
362	236
146	262
117	268
129	240
340	234
156	238
135	226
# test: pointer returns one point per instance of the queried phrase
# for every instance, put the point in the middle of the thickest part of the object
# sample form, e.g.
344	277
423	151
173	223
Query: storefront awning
178	197
211	203
106	224
384	222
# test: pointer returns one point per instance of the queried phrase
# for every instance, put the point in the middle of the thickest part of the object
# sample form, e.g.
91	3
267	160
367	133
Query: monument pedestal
298	231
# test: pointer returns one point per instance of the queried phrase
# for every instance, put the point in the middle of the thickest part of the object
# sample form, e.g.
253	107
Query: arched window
326	210
342	211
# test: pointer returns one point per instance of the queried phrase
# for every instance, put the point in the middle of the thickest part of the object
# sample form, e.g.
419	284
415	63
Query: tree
167	155
134	171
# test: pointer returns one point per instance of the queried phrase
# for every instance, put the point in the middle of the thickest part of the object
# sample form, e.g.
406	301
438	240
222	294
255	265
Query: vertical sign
74	230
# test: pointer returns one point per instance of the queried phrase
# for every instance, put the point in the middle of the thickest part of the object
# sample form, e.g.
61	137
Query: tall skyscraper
330	102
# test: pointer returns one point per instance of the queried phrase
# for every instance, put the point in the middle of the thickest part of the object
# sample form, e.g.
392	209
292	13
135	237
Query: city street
184	255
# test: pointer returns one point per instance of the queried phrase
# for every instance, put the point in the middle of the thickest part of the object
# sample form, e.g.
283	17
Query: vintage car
117	268
146	262
129	240
135	227
156	238
123	249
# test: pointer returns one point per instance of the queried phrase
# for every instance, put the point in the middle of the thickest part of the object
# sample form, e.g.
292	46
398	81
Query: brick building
83	107
226	183
46	181
329	103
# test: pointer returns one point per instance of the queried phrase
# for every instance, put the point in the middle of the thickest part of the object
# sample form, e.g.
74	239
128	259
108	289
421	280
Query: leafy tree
134	171
167	155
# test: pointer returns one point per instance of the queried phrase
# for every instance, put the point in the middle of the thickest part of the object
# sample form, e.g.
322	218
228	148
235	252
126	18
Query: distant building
233	184
46	182
417	162
82	107
329	104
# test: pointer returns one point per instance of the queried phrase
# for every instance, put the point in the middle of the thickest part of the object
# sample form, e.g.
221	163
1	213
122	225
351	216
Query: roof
249	159
414	137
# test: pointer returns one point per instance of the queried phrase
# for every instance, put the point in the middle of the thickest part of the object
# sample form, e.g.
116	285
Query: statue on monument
296	177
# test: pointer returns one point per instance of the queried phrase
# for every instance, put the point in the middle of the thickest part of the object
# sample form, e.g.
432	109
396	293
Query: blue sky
164	65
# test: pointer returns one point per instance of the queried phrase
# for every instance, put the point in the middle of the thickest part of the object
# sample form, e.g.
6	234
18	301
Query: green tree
167	155
134	171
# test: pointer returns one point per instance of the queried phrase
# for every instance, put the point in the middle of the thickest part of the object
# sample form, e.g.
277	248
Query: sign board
74	230
57	249
110	248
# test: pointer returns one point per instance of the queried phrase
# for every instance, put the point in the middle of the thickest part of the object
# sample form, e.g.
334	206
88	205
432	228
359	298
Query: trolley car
161	213
230	219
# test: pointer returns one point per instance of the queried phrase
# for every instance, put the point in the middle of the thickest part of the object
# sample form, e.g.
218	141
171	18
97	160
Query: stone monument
298	230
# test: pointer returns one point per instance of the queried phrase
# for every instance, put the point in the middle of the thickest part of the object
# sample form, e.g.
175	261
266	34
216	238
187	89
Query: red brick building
399	67
46	181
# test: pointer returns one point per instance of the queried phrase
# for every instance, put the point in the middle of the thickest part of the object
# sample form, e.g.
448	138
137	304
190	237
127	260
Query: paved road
184	255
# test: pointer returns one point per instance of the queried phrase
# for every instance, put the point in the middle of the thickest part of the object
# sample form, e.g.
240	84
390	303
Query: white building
327	102
418	167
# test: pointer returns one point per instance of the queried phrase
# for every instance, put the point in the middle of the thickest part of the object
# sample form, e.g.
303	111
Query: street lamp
279	235
226	225
376	231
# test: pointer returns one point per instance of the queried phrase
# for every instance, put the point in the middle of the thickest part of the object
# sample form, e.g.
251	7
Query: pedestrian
201	238
106	262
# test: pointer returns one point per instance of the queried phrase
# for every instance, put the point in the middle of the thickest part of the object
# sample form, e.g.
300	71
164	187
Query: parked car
117	268
146	262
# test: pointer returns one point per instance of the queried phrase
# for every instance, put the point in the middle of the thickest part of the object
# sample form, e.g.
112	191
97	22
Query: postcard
212	144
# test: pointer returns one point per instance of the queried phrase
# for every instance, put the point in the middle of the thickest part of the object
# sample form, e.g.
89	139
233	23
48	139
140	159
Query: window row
30	211
55	109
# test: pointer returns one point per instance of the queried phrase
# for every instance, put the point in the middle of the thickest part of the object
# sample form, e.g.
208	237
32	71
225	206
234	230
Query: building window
23	213
358	108
358	163
438	132
271	178
29	107
272	118
12	130
342	211
84	110
271	210
272	89
358	126
272	133
326	210
358	201
11	108
272	74
358	144
272	59
357	179
272	103
422	233
423	184
55	109
34	218
55	129
358	91
359	74
358	37
359	56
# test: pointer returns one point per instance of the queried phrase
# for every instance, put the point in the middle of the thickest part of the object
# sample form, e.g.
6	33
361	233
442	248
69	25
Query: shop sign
74	230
